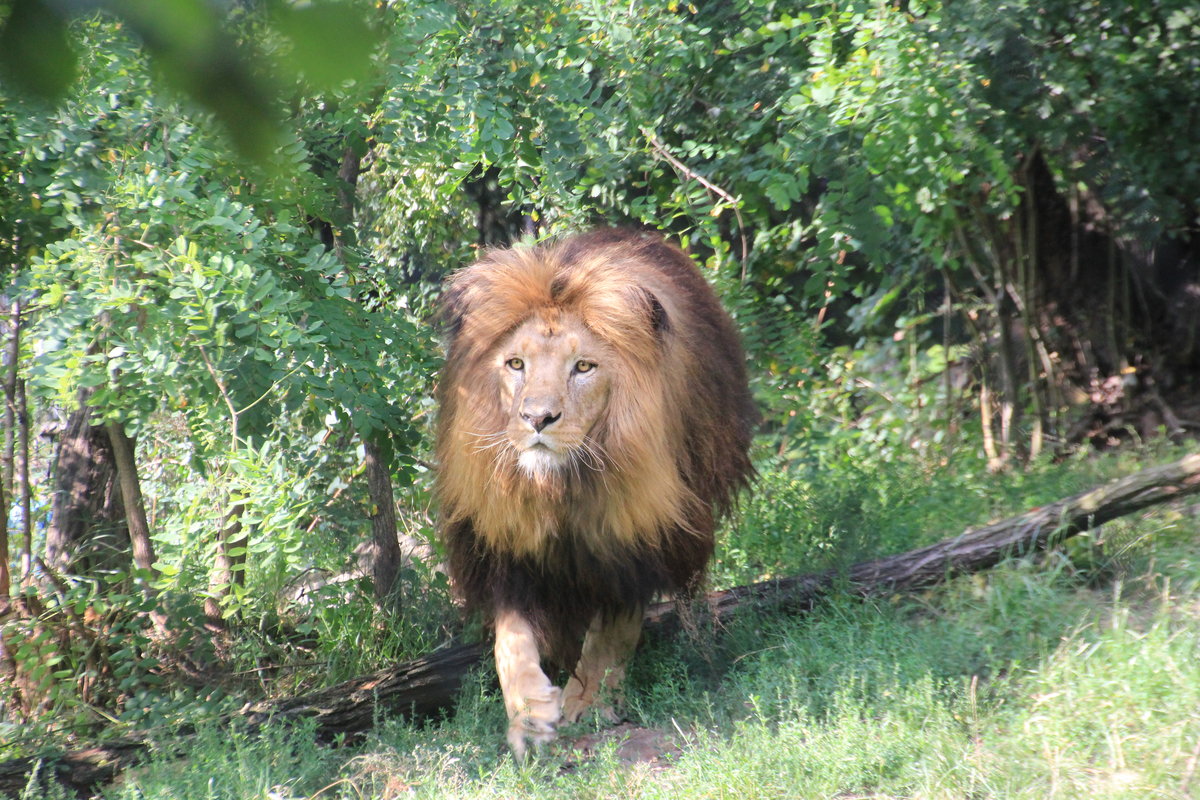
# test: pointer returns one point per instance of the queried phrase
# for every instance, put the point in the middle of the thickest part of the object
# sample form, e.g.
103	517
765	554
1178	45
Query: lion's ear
452	308
658	314
650	309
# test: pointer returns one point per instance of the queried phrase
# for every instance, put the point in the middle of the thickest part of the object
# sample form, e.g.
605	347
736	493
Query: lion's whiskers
502	450
496	439
502	458
591	454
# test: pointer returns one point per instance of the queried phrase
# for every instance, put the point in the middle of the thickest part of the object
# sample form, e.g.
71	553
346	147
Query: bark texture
131	491
87	525
229	566
385	552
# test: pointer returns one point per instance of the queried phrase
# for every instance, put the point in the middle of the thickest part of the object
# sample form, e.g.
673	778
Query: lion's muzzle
538	414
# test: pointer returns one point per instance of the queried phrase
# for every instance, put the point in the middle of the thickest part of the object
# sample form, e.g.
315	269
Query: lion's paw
573	707
572	711
536	723
577	700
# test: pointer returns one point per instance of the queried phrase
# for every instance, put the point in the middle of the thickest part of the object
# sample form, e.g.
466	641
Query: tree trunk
10	397
385	551
80	771
385	561
24	491
5	575
131	493
87	521
976	549
429	686
229	567
6	456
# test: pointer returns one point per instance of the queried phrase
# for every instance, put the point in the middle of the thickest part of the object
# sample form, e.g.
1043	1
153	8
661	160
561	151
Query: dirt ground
634	745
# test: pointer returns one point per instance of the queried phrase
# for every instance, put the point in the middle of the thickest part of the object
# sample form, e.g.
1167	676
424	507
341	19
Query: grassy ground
1075	675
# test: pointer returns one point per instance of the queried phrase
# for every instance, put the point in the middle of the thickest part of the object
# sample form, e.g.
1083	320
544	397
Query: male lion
594	423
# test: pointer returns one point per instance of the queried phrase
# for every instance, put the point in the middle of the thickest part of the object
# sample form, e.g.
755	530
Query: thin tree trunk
1023	293
986	412
385	561
5	575
229	567
386	551
1010	389
10	397
1110	327
22	476
131	493
978	251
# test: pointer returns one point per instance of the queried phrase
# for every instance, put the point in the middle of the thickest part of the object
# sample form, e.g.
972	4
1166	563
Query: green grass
1075	675
803	521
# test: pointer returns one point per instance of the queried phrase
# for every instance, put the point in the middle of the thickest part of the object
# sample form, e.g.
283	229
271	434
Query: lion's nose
539	418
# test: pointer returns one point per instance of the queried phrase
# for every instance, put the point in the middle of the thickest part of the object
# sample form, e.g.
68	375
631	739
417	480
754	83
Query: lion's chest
538	527
603	516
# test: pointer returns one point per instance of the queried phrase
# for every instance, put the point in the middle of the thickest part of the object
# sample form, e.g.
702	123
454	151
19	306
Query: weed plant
1069	675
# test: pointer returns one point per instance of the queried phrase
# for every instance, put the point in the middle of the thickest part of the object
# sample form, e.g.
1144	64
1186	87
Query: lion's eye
584	366
515	364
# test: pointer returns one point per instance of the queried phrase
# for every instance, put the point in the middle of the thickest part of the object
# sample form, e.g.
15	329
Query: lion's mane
673	440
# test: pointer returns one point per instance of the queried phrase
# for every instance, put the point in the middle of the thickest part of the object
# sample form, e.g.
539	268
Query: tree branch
662	152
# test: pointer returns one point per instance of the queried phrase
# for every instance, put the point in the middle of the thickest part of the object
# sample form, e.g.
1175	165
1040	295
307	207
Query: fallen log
430	685
974	550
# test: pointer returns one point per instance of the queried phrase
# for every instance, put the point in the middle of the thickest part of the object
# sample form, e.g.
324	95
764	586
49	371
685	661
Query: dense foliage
944	228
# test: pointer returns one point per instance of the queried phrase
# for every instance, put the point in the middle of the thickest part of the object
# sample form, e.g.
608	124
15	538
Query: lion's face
555	377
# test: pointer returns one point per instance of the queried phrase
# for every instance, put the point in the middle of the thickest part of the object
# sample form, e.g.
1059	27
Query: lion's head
577	388
555	376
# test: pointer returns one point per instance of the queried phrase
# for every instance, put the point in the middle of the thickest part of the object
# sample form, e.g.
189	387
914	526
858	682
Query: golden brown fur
632	511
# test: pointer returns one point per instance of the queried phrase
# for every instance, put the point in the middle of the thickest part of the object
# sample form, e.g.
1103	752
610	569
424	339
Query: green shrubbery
1062	676
854	178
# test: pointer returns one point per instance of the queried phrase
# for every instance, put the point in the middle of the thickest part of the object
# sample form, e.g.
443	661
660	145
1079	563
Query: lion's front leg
606	649
534	704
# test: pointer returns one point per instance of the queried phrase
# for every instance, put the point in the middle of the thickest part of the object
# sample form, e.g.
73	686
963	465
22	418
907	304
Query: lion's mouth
536	441
537	460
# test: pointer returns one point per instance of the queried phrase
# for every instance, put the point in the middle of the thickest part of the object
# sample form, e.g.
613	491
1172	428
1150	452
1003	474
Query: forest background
960	241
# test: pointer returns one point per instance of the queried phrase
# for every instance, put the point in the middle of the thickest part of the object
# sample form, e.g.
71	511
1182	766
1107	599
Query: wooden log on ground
417	689
80	771
429	686
974	550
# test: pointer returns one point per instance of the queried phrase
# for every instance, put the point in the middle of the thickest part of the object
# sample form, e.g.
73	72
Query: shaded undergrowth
1075	674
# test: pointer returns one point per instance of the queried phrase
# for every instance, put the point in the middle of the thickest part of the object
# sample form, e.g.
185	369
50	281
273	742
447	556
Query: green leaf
821	93
331	42
35	52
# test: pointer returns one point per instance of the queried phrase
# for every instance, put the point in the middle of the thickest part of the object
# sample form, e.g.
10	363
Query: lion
594	424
